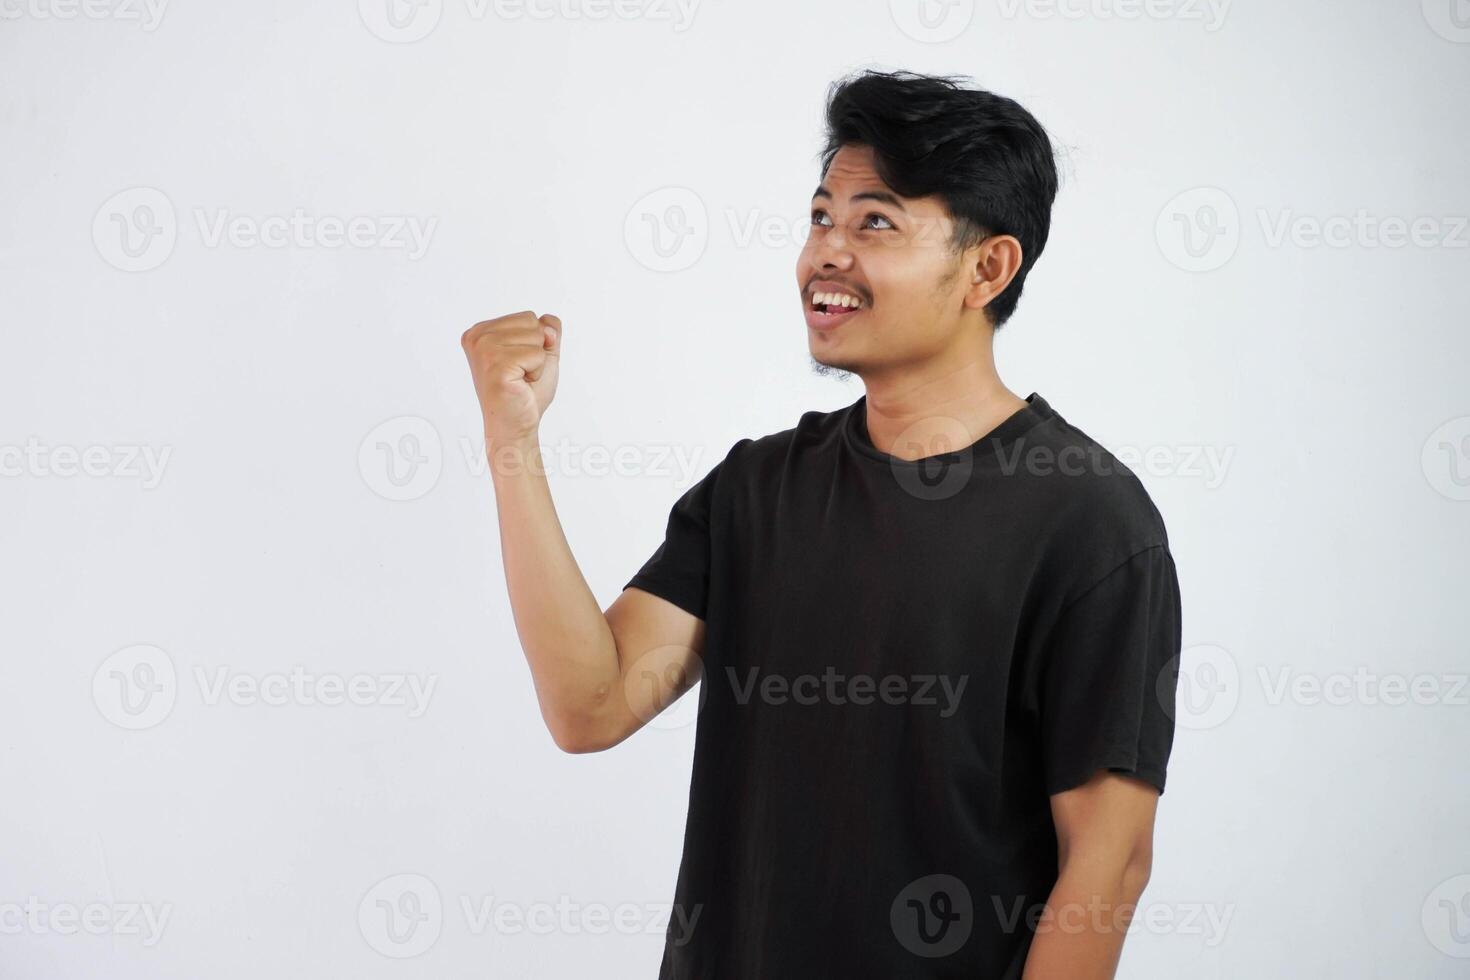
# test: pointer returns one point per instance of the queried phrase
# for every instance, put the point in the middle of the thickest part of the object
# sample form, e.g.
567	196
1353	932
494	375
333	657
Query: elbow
579	735
581	724
578	741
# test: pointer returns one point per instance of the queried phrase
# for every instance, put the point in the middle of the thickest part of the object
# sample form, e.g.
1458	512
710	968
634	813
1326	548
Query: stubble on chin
829	370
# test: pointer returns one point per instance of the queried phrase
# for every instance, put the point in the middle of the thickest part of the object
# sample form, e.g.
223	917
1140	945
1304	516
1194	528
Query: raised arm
599	677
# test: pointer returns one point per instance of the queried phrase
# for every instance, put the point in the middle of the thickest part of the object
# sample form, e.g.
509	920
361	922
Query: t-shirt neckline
1033	413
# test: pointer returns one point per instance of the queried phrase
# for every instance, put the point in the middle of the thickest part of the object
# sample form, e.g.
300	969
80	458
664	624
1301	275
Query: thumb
550	332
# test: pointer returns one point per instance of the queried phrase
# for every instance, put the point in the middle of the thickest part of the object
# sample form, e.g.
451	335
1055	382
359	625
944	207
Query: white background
1328	542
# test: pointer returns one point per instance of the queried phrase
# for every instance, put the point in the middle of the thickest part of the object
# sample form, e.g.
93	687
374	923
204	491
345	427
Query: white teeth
836	299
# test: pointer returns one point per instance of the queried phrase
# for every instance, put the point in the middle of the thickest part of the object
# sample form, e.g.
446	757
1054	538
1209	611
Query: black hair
984	155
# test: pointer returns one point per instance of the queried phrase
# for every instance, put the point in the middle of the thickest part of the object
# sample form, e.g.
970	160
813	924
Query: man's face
893	255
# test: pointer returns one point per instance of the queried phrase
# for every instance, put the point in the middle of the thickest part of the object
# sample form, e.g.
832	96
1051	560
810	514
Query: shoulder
761	455
1096	512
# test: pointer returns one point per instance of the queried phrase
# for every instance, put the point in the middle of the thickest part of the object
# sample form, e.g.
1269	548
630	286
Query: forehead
853	163
852	174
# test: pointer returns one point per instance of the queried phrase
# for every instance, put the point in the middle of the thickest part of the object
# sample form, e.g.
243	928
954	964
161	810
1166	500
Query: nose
831	252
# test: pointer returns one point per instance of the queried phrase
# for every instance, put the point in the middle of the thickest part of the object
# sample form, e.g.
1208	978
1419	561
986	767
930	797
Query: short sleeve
679	570
1110	668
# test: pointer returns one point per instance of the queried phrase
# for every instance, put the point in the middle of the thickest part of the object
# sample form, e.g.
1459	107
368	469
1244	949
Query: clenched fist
513	360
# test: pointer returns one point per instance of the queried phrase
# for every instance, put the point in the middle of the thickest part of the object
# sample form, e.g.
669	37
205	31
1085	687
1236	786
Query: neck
941	405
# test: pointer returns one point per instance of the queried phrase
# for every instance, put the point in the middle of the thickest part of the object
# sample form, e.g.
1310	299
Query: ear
991	265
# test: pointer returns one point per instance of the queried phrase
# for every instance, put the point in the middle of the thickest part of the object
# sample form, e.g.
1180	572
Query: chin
842	370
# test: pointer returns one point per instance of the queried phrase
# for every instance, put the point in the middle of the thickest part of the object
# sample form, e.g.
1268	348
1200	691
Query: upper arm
1106	823
658	647
1105	841
1109	669
657	621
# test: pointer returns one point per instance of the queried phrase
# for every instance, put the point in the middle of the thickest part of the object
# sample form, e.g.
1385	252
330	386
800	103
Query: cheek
897	279
808	246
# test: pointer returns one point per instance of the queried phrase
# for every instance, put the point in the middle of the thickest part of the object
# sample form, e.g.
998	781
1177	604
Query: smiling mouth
835	304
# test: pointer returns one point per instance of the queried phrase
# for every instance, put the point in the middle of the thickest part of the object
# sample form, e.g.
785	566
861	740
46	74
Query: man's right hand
514	361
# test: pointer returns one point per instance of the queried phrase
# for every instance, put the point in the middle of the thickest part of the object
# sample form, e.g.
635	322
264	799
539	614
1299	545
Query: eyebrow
881	196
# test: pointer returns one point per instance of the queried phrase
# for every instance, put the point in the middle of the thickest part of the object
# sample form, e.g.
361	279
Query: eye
820	217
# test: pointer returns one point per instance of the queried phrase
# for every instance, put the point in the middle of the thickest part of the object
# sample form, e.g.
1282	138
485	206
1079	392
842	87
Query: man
937	629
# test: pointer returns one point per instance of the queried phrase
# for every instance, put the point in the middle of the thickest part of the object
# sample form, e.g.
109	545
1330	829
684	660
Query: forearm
563	632
1080	936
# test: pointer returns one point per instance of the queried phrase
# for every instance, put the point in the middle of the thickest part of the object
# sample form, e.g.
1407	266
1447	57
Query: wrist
514	455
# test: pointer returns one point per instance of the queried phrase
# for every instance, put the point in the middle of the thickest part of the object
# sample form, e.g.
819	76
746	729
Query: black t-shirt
903	659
